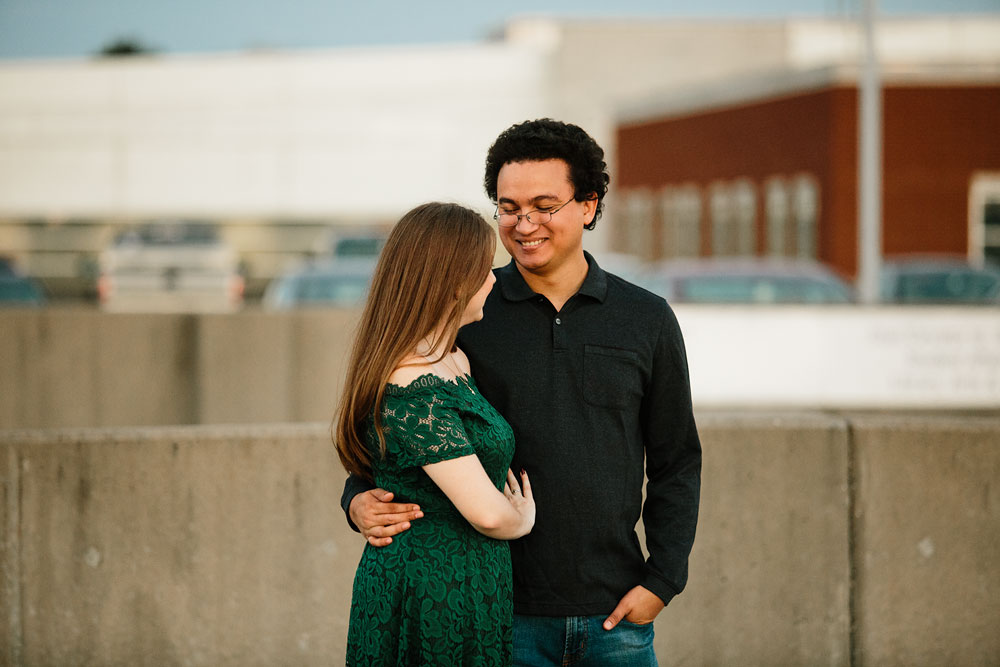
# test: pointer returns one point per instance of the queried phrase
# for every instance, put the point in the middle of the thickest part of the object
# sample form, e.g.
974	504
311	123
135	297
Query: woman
412	421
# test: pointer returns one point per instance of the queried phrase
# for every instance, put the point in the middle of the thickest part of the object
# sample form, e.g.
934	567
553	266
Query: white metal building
278	147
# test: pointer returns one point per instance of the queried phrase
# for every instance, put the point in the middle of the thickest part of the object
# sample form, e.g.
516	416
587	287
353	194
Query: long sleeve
673	465
353	485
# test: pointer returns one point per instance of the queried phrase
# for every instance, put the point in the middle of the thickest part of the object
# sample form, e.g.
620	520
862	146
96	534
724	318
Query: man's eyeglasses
539	216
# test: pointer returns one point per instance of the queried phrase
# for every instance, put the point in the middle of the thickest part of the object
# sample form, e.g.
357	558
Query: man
591	373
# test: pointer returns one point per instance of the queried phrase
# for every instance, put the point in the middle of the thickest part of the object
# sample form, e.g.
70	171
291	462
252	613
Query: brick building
768	166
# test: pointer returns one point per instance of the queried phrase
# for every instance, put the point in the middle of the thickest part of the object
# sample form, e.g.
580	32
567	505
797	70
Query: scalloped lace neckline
430	380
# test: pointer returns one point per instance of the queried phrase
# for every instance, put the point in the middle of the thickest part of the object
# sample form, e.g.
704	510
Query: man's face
524	187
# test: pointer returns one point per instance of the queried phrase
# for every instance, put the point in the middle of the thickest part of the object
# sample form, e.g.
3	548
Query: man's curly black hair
545	139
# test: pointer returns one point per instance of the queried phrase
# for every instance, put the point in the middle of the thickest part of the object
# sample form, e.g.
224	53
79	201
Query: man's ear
591	207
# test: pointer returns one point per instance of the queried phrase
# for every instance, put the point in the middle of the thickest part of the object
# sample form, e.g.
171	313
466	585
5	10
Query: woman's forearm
472	492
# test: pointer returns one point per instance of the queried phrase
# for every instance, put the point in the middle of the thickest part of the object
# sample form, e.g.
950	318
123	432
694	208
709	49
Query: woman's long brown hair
435	259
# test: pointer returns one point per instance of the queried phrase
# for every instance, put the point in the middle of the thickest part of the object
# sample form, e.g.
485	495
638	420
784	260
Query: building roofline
743	90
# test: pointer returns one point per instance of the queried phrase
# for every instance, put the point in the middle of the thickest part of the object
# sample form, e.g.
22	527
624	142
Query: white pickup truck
170	266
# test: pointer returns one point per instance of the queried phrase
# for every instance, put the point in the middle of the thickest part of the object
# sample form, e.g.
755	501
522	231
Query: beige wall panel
10	545
75	367
48	368
244	368
18	385
146	367
182	546
928	541
322	343
770	578
226	546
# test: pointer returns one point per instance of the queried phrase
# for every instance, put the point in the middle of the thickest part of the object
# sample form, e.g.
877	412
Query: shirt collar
514	288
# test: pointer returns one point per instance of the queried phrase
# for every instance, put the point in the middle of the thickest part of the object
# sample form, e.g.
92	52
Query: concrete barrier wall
821	538
770	577
80	368
184	546
68	367
927	541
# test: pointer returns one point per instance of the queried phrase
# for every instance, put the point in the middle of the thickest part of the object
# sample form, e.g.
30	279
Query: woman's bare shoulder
410	370
462	361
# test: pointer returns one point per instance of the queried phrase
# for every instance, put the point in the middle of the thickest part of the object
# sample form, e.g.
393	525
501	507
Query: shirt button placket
558	333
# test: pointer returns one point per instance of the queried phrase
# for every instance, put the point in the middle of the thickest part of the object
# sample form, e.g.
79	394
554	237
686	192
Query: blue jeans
581	641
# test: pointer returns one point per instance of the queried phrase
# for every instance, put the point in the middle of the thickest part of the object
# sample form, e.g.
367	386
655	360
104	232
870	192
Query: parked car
938	279
744	280
332	282
170	266
359	245
18	290
351	241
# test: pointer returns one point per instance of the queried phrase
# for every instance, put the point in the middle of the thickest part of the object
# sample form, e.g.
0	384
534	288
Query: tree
124	46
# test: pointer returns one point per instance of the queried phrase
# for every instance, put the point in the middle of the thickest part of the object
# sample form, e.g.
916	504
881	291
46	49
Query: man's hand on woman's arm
378	518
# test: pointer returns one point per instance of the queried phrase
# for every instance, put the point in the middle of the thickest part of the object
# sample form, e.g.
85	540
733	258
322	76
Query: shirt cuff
658	587
352	487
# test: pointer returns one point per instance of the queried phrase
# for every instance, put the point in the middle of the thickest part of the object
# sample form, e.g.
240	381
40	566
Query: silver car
744	280
340	282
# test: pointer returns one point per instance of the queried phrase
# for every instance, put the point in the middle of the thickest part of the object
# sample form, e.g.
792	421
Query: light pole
869	163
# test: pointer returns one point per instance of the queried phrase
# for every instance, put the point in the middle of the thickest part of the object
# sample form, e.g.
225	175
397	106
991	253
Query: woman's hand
519	496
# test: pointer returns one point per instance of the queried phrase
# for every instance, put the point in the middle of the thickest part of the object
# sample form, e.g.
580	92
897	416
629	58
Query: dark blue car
18	290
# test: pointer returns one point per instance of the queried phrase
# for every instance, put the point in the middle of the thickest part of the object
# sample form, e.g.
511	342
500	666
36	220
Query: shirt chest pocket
611	377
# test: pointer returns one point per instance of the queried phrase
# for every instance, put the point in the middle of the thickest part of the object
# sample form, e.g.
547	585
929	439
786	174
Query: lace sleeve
420	430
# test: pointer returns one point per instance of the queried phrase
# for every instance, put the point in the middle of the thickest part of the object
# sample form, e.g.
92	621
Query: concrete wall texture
81	368
66	367
823	540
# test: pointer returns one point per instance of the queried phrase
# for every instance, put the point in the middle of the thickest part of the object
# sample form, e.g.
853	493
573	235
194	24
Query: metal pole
869	163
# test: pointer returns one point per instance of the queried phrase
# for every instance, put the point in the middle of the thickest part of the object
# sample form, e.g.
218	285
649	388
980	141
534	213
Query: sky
31	29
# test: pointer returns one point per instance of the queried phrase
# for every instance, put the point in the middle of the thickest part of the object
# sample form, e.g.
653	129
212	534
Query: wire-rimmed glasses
540	216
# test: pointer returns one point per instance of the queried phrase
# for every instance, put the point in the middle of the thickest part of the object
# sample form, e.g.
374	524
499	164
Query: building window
733	210
991	232
638	223
805	210
720	210
792	210
680	219
776	210
744	196
984	220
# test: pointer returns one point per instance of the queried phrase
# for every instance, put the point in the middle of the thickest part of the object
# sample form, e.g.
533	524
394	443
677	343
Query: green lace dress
441	593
